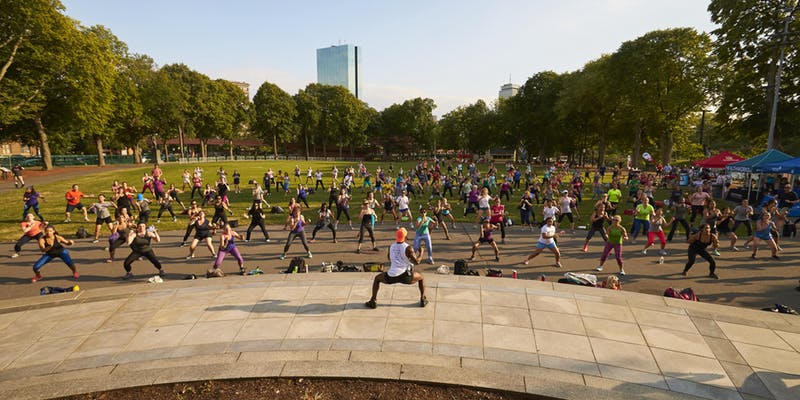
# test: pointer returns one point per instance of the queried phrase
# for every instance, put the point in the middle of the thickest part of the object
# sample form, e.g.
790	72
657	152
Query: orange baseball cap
401	234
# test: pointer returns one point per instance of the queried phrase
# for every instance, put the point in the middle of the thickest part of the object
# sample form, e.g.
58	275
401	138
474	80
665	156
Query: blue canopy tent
755	165
791	166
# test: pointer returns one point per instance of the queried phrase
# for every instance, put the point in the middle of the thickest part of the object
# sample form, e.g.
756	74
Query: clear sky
455	51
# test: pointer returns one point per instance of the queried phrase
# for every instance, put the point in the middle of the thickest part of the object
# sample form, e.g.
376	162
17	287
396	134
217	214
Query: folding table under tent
755	165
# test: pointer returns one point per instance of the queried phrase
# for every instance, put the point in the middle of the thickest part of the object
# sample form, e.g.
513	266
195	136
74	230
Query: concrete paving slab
306	327
446	311
568	364
691	343
666	320
459	376
633	376
769	358
456	332
753	335
613	312
701	390
557	321
693	368
745	379
506	316
614	330
564	305
158	337
457	350
624	355
563	345
509	338
781	385
361	328
511	356
724	350
792	338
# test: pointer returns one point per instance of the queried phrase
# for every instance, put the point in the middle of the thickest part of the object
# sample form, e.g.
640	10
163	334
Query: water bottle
514	274
542	278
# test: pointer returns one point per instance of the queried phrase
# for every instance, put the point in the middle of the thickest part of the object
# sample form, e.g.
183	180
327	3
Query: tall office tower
508	90
340	65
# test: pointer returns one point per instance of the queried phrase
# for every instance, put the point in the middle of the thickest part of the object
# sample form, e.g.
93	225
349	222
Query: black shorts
203	236
101	221
405	278
485	240
78	206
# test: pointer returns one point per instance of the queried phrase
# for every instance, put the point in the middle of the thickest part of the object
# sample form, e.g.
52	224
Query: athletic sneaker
282	256
584	249
127	276
76	275
558	264
734	248
158	221
309	255
423	302
190	256
644	252
622	272
174	219
599	268
371	304
95	241
716	252
662	252
161	273
36	278
497	258
15	255
713	276
525	262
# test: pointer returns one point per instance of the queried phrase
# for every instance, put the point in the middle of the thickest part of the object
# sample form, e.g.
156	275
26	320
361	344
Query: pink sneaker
525	262
76	275
36	278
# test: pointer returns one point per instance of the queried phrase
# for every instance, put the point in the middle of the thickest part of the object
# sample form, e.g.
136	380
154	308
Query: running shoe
423	302
282	256
75	275
713	276
525	262
558	264
309	255
599	268
127	276
371	304
36	278
734	248
15	255
716	252
622	272
644	252
161	273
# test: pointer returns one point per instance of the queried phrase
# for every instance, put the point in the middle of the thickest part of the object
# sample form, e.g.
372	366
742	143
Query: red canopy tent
720	160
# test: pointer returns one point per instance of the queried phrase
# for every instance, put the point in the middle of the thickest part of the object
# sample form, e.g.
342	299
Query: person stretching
402	258
226	246
486	237
52	245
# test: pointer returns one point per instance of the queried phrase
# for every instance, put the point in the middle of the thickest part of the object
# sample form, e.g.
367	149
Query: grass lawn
92	184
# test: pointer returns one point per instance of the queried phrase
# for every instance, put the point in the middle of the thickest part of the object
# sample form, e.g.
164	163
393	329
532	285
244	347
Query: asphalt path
743	282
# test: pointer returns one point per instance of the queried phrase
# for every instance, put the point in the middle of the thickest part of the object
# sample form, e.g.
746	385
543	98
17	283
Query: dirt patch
302	389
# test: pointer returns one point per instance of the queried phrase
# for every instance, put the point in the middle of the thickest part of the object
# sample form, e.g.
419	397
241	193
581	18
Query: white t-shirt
483	201
547	231
402	202
399	262
565	205
549	212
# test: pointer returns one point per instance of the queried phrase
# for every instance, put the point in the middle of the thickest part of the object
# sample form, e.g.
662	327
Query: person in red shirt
74	197
31	230
498	212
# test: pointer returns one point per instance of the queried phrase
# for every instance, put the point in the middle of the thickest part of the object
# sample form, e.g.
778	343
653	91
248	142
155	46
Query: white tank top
402	203
397	256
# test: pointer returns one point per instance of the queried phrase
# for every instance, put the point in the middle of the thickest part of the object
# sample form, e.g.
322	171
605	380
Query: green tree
749	39
664	77
410	126
36	45
308	114
275	112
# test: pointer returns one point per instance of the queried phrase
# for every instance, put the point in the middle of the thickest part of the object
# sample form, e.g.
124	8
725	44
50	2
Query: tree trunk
275	145
47	158
637	144
667	142
203	149
166	152
601	148
307	154
352	151
230	149
101	158
340	151
324	148
180	137
156	151
137	154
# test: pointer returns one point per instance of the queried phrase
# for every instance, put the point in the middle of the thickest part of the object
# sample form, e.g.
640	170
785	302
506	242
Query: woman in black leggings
325	218
297	225
367	219
193	212
698	243
256	214
139	240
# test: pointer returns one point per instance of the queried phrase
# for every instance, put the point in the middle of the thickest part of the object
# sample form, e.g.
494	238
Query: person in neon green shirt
641	218
614	196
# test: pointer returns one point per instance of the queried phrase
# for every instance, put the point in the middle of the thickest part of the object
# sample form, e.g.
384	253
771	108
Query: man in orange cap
402	258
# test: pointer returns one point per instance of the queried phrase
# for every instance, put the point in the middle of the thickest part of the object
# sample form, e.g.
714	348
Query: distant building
340	66
244	86
508	90
17	149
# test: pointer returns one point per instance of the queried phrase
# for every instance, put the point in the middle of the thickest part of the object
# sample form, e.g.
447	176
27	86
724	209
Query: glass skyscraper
340	65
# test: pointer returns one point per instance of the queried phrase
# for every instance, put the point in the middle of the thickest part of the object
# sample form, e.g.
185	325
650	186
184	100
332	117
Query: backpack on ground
581	279
685	294
82	233
297	265
277	210
494	272
342	267
374	267
461	267
214	273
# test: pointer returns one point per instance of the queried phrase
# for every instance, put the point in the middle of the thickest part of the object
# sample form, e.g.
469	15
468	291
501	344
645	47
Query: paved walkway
550	339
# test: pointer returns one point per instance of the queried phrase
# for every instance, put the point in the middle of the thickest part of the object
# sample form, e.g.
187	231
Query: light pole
774	115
